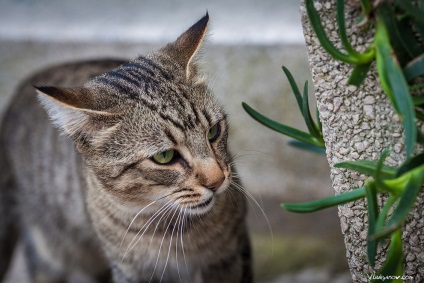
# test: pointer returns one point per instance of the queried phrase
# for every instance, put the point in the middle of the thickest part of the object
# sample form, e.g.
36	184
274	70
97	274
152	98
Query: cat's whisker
184	223
236	158
218	72
160	247
249	153
235	175
250	196
165	212
178	224
170	244
247	198
151	219
233	198
132	221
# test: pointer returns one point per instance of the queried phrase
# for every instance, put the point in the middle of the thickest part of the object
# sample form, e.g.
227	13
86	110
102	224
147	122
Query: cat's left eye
214	132
165	157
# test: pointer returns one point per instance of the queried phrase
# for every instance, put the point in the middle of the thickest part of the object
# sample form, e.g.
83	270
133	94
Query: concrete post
358	123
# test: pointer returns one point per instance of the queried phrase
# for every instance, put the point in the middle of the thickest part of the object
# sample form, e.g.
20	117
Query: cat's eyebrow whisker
249	195
160	247
218	72
151	219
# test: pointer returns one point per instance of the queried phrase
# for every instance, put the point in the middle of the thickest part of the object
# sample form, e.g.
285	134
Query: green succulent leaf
286	130
382	217
394	85
379	179
418	100
393	266
312	127
411	164
371	195
404	50
366	6
294	88
419	115
409	40
414	69
407	199
416	86
325	41
368	167
420	137
306	146
318	119
359	73
411	10
342	29
306	207
409	185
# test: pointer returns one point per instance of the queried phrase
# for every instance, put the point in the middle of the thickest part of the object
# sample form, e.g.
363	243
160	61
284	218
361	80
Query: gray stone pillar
358	123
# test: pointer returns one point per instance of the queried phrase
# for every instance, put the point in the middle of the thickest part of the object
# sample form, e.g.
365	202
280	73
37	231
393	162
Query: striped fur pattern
110	208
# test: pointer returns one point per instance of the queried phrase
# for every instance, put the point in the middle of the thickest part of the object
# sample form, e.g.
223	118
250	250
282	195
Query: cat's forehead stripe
127	76
119	86
195	113
170	136
176	123
145	61
207	116
138	67
150	84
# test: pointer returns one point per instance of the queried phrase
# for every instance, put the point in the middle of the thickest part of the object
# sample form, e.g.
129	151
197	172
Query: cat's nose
215	183
212	175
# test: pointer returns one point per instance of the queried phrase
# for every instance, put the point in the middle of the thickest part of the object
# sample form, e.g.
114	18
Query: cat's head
150	130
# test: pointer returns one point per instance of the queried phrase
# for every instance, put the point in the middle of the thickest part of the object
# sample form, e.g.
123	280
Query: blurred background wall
249	42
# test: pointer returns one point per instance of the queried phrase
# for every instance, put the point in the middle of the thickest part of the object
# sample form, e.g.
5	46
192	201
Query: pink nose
215	183
211	175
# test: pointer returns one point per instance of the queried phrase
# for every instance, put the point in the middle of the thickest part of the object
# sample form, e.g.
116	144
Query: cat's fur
93	204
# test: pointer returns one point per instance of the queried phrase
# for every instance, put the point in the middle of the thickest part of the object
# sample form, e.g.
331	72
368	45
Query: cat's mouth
203	204
202	207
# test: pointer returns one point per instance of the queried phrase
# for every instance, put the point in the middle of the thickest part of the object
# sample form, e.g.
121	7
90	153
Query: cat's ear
71	109
185	48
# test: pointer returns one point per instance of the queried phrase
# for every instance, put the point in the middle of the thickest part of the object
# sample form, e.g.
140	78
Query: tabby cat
141	186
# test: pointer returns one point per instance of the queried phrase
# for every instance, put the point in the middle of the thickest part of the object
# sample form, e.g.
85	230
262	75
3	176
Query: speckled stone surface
358	123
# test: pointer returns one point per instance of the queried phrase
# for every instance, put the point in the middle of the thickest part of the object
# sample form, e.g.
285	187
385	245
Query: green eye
164	157
214	132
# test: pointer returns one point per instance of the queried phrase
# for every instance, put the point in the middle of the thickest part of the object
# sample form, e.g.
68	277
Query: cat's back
27	135
48	182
